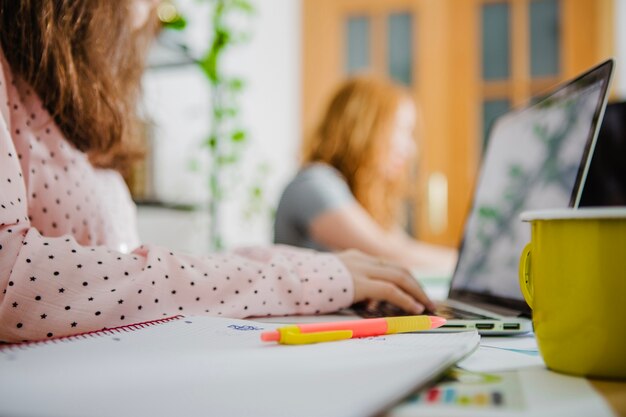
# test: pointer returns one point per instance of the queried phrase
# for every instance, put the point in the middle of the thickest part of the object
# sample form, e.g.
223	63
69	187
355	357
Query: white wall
271	107
177	102
177	99
620	48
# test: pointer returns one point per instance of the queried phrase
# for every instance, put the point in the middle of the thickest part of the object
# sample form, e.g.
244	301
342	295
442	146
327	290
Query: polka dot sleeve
62	266
56	287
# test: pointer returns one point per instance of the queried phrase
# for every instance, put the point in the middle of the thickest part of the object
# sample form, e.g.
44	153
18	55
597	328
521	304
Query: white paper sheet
202	366
503	354
527	392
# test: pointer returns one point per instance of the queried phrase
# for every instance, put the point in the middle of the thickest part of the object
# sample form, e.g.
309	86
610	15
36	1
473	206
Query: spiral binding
84	335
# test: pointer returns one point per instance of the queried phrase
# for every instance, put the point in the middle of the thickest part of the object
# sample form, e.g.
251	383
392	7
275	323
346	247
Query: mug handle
525	281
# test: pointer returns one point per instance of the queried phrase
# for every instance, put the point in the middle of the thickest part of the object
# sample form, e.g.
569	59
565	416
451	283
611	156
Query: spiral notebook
201	366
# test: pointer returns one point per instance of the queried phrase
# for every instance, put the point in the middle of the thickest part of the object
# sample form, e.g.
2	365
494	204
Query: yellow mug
573	276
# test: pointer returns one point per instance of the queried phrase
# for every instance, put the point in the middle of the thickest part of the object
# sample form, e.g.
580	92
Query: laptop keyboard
373	309
449	312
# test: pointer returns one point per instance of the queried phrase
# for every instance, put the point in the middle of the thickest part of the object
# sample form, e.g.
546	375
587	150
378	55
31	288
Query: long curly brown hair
354	137
84	60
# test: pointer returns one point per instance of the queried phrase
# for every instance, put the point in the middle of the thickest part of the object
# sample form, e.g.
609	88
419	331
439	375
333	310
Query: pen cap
271	336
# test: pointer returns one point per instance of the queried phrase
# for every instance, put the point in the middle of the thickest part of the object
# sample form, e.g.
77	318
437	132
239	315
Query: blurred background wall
177	103
466	61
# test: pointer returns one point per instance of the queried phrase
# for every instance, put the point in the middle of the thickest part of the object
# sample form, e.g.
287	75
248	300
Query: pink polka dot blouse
70	259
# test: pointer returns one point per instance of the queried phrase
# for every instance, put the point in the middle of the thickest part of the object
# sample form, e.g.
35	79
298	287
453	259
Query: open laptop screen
535	159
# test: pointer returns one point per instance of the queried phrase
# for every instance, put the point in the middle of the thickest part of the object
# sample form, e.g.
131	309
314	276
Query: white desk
491	359
505	377
496	356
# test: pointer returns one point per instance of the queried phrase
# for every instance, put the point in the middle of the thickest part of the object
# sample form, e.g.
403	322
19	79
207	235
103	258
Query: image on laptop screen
535	159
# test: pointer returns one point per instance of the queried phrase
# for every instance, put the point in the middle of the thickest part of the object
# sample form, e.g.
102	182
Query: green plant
227	137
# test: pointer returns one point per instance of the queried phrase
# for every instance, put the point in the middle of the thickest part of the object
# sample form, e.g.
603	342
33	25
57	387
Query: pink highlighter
325	332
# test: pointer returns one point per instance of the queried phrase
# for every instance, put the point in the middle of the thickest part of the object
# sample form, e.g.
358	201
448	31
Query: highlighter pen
301	334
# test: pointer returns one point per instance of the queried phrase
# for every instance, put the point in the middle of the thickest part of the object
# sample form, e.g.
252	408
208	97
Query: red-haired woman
354	179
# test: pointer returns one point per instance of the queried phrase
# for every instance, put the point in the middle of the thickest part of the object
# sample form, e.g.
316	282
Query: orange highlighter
301	334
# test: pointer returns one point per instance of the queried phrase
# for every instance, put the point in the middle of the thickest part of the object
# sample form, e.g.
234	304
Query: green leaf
541	132
208	64
238	136
226	159
509	195
214	187
236	84
244	6
211	142
488	212
218	243
222	37
221	113
178	23
516	171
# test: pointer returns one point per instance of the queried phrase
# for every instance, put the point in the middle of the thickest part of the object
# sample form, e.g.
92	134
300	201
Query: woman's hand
376	279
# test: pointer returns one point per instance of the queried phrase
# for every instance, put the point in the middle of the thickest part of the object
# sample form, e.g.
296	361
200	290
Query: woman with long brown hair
354	182
70	259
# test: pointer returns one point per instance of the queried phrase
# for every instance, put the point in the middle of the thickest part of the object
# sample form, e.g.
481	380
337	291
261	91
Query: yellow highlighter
301	334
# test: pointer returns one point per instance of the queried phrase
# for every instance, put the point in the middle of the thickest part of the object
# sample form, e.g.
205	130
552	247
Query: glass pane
400	47
357	43
491	110
495	41
544	38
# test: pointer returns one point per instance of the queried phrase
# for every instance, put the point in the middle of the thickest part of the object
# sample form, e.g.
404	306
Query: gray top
316	189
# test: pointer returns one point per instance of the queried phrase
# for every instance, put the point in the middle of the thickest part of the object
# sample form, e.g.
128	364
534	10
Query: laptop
537	157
